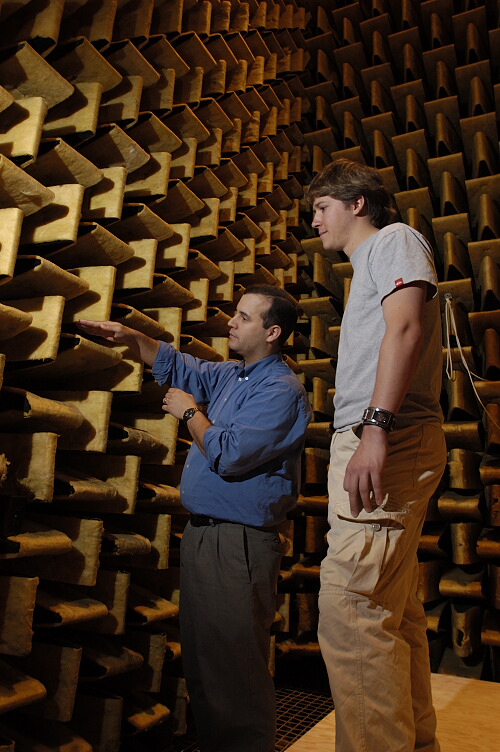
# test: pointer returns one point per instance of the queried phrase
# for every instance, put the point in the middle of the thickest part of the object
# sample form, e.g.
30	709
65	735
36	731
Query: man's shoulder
280	373
400	229
283	388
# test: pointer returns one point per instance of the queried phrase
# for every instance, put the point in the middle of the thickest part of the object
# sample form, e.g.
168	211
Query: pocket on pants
360	556
413	469
263	558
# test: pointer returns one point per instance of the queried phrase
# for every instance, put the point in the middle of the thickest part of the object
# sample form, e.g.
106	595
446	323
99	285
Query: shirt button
377	526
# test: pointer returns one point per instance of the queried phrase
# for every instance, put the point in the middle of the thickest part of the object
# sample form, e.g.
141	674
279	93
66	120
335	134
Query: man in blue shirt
240	479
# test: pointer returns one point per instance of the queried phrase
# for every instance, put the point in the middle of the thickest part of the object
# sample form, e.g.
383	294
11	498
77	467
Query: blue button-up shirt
260	412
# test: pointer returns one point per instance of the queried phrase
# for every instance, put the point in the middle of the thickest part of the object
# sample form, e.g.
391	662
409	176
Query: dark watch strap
188	414
377	416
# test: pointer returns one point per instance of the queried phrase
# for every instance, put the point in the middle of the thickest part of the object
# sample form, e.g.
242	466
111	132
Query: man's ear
359	204
273	333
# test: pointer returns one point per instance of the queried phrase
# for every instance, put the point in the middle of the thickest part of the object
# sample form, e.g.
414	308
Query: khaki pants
372	627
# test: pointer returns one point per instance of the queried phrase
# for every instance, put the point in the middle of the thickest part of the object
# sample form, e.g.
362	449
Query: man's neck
360	233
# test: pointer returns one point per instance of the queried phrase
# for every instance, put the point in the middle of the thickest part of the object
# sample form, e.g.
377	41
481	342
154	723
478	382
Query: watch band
188	414
377	416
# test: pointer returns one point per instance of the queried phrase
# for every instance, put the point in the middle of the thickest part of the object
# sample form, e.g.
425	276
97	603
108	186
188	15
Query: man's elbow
407	334
413	335
229	469
237	465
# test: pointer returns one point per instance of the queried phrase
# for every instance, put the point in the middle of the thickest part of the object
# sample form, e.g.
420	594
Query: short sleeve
402	256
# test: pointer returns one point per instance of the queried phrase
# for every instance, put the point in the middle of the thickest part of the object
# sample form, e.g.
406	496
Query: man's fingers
366	494
362	493
355	504
88	324
106	329
367	499
378	492
376	487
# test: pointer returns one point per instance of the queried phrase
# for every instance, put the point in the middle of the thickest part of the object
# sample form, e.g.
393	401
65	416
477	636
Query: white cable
450	323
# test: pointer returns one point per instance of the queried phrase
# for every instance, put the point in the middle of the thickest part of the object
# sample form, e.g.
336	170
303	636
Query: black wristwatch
190	412
377	416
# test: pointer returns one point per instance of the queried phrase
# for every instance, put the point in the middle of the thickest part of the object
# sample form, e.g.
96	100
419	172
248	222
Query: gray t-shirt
396	255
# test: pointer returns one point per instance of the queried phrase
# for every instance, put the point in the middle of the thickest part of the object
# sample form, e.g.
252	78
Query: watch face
379	417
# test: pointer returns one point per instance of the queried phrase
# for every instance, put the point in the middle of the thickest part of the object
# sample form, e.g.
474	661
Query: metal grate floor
297	712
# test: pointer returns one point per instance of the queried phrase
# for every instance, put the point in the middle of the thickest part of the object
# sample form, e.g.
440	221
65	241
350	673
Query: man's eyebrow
243	313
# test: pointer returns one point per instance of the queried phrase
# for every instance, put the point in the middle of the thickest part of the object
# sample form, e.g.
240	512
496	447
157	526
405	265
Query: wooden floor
467	714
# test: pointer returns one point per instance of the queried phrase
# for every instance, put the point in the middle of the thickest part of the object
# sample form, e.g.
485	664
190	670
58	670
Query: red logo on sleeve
399	282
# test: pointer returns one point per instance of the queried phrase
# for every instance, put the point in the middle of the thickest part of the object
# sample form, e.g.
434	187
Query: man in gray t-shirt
387	457
391	258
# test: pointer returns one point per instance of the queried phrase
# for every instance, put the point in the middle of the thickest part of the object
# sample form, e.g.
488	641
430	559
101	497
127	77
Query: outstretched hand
112	331
144	346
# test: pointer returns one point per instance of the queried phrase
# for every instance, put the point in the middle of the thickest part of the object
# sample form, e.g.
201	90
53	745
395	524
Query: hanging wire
451	328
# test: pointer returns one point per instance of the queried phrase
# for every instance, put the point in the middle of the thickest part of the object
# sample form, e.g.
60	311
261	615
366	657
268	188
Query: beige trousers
372	627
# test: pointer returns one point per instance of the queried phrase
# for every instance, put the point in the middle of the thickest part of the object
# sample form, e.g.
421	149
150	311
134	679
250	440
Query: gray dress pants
229	574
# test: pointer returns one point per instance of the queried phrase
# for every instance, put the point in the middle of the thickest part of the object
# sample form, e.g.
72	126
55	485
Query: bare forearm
398	358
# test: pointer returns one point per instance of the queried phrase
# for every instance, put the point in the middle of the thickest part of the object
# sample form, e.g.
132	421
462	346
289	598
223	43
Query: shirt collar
260	365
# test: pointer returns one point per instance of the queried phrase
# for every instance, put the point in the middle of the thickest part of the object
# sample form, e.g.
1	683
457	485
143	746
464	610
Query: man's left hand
176	402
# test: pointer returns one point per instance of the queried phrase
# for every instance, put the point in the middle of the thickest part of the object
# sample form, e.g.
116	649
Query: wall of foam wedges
152	157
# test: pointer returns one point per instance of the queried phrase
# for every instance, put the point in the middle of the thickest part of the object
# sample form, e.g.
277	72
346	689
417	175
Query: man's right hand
109	330
112	331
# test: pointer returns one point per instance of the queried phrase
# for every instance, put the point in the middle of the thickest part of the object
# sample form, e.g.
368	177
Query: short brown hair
283	311
347	181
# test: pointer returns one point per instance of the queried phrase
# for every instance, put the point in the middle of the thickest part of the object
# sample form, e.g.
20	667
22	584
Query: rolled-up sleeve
263	428
186	372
